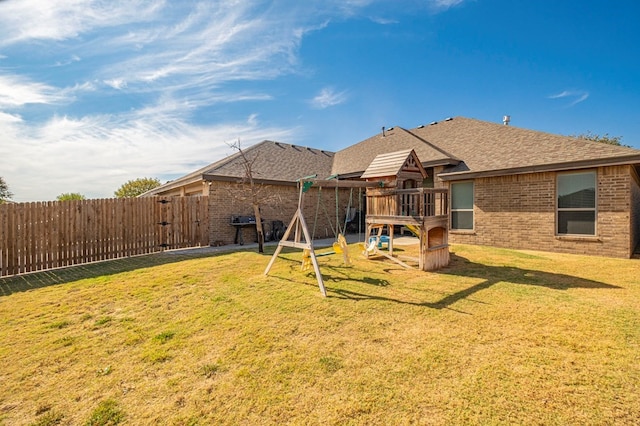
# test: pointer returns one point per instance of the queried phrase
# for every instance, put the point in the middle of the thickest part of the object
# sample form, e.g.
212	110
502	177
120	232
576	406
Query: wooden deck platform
425	211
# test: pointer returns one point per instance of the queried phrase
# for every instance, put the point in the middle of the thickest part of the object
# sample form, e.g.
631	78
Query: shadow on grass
459	266
491	275
41	279
35	280
339	273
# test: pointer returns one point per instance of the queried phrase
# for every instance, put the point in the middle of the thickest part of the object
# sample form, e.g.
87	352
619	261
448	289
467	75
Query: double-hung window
576	203
462	205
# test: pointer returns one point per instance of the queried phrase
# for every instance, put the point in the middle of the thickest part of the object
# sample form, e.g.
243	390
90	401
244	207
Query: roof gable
393	163
356	158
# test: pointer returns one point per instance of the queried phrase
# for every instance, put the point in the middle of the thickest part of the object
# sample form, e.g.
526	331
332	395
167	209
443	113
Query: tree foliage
609	140
66	196
5	194
135	187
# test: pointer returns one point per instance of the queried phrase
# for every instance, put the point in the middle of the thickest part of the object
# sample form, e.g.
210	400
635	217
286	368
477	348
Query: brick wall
635	210
518	211
227	199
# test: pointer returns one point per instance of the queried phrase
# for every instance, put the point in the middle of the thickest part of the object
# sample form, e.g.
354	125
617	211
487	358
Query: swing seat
344	249
382	239
306	260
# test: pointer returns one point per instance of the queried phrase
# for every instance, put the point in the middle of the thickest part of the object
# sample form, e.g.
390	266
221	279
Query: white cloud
17	91
328	97
72	59
67	92
577	96
171	68
116	83
94	155
194	53
383	21
26	20
9	118
166	60
445	4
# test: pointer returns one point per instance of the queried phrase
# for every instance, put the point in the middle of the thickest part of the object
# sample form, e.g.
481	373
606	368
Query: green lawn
498	337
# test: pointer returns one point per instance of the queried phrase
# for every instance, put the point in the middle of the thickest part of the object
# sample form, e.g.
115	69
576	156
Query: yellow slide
413	229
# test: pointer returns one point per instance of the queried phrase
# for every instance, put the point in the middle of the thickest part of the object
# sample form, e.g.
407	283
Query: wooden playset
395	197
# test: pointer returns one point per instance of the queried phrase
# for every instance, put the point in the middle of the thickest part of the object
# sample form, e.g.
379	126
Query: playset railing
408	202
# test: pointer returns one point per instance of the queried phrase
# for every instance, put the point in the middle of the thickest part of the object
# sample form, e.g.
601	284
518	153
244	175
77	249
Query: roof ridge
437	148
568	138
229	158
209	167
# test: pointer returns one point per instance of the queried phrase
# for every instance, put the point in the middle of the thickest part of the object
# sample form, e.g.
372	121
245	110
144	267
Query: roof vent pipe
506	120
383	133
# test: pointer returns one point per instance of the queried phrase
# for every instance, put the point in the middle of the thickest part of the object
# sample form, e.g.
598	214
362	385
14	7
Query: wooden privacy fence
45	235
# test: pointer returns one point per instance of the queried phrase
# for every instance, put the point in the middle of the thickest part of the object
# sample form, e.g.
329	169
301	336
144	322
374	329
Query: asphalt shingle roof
357	158
273	161
276	161
466	146
472	146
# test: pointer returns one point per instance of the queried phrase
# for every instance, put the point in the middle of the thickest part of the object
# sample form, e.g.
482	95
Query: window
577	203
409	183
462	205
428	182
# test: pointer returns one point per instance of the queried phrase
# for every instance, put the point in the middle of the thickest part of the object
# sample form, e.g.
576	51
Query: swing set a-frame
302	238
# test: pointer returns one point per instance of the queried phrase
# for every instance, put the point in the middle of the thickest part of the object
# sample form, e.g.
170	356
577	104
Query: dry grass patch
498	337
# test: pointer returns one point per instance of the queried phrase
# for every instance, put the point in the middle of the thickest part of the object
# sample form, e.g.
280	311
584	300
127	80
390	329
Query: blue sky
95	92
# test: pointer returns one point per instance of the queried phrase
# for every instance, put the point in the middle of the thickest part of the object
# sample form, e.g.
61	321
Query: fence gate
183	222
46	235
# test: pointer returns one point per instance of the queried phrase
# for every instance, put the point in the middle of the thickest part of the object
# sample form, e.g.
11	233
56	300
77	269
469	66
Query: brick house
276	166
510	187
519	188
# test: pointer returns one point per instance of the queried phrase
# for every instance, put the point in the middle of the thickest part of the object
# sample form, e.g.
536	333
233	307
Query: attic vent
448	119
421	126
506	120
311	150
279	145
433	123
390	128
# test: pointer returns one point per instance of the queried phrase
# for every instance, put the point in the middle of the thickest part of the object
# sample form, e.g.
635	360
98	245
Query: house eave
575	165
425	164
172	185
237	179
444	162
352	175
